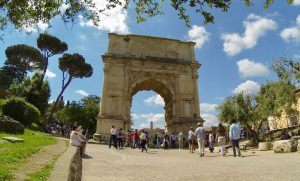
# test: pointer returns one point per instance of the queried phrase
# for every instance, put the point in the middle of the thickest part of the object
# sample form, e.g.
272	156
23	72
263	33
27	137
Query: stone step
13	139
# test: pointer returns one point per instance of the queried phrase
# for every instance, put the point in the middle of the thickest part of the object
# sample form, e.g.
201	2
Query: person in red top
135	139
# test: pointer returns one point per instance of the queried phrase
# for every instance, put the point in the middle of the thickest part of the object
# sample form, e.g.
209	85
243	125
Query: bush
9	125
22	111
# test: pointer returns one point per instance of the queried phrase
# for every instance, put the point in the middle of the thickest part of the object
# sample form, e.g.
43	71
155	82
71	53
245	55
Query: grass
14	154
43	174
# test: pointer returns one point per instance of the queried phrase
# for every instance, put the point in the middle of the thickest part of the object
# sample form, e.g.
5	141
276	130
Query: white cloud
113	20
143	125
82	37
248	68
292	33
255	27
153	117
82	92
297	56
155	100
50	74
210	120
199	35
35	28
248	87
205	107
50	101
296	3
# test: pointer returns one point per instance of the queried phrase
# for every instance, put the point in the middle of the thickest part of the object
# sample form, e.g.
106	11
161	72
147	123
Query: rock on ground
285	146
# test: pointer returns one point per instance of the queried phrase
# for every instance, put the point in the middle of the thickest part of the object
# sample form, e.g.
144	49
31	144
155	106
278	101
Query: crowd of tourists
196	138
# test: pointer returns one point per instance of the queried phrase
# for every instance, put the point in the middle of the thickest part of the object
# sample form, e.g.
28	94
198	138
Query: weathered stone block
13	139
264	146
9	125
285	146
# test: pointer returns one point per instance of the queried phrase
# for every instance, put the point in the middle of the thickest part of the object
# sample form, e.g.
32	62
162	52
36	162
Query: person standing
221	138
135	139
173	140
200	134
143	138
120	138
235	135
191	140
113	132
211	142
128	139
180	140
158	141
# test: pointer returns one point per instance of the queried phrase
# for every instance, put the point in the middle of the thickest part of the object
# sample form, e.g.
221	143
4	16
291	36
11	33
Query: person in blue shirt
235	135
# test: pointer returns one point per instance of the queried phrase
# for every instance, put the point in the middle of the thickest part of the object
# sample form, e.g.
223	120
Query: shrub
20	110
9	125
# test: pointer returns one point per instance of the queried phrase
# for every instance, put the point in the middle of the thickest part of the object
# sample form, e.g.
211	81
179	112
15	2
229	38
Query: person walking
235	135
221	138
158	141
135	139
200	134
113	137
143	138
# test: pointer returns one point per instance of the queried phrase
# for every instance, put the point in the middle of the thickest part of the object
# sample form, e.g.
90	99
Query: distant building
286	121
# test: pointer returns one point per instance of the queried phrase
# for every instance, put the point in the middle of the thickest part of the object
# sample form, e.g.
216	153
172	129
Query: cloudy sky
236	52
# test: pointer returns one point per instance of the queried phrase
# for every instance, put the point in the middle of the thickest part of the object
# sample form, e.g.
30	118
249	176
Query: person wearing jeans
200	134
235	135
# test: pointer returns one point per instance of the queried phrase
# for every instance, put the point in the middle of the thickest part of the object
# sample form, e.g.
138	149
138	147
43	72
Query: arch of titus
135	63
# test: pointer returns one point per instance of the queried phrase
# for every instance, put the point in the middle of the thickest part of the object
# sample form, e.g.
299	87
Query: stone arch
134	63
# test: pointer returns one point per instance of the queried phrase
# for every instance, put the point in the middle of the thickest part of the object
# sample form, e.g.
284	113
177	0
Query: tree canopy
22	59
50	45
26	13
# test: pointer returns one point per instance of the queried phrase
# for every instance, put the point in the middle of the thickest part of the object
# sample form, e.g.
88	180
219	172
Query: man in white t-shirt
113	137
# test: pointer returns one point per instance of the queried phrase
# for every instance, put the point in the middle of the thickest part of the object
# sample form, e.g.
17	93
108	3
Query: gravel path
128	164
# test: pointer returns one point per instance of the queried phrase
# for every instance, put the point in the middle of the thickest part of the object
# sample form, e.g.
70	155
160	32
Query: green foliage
275	98
75	66
288	70
9	125
22	111
83	112
50	45
13	155
26	13
23	58
32	91
239	107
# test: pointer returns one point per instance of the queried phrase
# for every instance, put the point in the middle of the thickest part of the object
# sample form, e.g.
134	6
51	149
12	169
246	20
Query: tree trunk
44	73
54	107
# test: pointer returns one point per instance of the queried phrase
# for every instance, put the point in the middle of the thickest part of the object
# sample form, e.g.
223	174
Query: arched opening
147	111
162	92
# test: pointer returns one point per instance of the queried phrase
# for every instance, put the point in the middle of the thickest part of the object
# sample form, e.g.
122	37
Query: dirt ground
40	159
104	164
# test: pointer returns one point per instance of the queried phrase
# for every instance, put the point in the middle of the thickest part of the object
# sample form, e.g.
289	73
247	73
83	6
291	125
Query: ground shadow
85	156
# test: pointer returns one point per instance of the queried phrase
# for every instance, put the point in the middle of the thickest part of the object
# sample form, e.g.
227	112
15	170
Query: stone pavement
127	164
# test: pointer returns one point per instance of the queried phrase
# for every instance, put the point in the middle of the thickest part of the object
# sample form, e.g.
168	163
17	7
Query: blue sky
236	52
